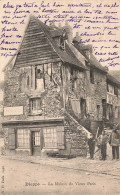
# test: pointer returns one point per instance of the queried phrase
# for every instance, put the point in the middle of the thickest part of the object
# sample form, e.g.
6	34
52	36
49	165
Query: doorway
36	143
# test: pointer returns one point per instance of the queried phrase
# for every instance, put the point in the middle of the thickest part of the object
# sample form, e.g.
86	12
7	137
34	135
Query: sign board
10	111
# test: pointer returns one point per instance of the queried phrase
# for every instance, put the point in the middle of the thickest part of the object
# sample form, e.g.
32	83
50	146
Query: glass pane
23	138
37	138
50	137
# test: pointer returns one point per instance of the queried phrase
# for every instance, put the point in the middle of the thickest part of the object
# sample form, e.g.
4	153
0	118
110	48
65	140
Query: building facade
55	94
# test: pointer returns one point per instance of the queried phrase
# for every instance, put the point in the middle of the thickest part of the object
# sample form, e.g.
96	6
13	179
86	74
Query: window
50	71
104	108
54	137
98	111
28	81
39	78
110	88
87	52
109	111
62	42
50	137
116	90
35	106
23	138
92	76
83	107
72	77
36	138
116	112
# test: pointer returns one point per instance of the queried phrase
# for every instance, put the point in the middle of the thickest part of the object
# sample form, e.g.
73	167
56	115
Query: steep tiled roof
96	63
39	47
115	73
93	61
113	80
56	33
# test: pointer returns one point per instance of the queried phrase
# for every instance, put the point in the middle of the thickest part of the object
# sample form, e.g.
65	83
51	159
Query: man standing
91	143
114	142
102	140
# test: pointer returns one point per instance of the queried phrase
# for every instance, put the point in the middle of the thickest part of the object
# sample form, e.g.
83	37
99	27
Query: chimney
77	38
69	32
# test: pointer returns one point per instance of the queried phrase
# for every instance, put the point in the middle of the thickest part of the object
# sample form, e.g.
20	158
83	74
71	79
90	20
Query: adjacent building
55	93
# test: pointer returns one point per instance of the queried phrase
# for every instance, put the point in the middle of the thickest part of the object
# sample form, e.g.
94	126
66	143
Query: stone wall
98	91
17	93
75	137
78	86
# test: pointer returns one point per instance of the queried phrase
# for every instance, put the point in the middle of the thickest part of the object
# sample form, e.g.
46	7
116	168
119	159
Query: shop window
92	76
23	138
35	106
54	137
50	137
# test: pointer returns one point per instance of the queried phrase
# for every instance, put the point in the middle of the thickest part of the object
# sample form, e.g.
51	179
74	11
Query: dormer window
62	42
62	39
87	52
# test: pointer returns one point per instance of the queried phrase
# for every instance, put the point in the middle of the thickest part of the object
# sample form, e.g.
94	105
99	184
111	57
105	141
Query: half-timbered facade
55	91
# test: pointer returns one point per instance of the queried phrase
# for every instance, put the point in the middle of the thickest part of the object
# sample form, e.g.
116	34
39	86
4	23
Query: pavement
96	166
57	176
21	178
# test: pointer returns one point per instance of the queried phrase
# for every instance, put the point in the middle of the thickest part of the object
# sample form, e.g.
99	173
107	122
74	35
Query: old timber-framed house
55	93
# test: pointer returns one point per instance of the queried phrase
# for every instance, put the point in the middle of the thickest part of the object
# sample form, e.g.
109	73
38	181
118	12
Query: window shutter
60	137
11	139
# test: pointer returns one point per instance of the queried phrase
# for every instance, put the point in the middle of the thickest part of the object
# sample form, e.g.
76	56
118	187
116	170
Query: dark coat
91	142
114	138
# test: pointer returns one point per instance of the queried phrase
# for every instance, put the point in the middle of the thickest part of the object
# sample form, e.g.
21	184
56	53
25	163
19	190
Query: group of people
101	142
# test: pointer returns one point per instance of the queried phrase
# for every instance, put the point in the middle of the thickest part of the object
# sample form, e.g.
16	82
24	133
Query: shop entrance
36	143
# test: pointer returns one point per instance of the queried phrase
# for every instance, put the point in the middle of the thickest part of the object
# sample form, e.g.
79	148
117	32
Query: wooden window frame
33	103
25	143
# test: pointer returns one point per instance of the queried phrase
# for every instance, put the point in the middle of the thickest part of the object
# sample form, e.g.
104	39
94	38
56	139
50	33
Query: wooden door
36	143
